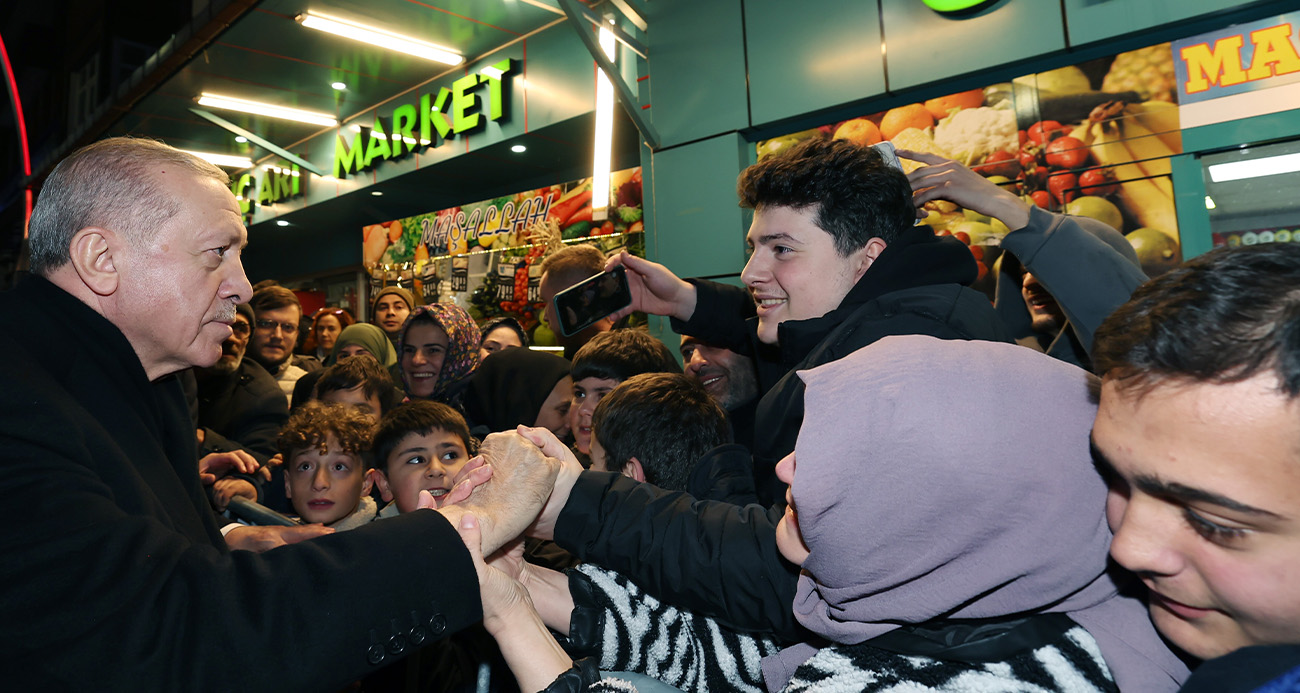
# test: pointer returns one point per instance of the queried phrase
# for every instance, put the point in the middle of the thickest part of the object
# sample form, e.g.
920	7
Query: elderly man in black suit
116	575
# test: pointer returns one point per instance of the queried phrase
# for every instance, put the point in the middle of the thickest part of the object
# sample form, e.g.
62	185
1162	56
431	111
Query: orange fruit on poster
859	131
904	117
940	107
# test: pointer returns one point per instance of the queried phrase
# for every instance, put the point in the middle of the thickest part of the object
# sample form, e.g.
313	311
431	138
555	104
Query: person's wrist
687	298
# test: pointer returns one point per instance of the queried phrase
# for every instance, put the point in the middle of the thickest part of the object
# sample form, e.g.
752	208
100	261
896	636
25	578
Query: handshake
518	483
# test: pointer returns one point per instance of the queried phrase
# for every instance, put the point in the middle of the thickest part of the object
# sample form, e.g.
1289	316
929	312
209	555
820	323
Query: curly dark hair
1223	317
311	425
856	194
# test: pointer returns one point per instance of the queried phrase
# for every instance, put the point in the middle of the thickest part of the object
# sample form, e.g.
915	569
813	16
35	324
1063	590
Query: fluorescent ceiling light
241	139
231	103
227	160
604	143
376	193
281	222
379	37
339	85
519	149
1254	168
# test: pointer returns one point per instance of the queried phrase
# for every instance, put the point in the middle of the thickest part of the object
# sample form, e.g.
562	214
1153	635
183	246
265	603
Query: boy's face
325	486
587	393
1205	505
421	463
356	398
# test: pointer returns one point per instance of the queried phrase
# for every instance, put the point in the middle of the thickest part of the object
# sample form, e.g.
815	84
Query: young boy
419	446
665	429
324	447
359	382
604	362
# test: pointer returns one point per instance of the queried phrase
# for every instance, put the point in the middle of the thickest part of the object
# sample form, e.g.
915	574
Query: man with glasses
275	332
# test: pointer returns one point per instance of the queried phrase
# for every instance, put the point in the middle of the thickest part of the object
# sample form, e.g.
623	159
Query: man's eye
1212	530
220	252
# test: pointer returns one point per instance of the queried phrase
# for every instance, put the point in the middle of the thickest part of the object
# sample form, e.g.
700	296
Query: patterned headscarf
968	464
462	346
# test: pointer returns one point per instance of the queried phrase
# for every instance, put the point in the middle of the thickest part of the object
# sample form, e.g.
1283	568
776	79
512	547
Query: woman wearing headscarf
358	338
951	532
519	386
438	352
501	333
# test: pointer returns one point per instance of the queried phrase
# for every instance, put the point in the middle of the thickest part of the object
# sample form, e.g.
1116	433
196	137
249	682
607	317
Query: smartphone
887	152
581	305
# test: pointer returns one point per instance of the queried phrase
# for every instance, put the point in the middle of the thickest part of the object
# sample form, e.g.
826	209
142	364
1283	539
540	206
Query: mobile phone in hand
583	304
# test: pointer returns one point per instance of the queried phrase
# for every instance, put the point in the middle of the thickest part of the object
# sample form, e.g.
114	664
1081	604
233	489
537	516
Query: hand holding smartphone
583	304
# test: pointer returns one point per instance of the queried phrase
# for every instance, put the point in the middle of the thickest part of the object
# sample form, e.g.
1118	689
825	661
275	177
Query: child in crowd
604	362
665	429
419	446
324	447
359	382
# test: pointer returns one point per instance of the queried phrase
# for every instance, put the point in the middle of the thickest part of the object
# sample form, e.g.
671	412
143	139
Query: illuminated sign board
458	110
1234	67
275	185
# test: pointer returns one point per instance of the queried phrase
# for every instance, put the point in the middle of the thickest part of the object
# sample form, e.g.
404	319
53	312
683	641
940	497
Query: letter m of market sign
1238	72
458	110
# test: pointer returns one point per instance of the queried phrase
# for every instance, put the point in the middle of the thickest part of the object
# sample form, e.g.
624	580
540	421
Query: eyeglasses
270	325
241	328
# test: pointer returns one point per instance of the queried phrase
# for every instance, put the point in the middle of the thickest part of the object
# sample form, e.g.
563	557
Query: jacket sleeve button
397	646
375	654
418	635
437	625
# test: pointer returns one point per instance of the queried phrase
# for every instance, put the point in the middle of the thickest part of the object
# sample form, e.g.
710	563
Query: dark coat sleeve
717	559
720	314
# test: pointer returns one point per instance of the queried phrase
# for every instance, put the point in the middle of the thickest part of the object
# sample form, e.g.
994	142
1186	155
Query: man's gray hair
109	184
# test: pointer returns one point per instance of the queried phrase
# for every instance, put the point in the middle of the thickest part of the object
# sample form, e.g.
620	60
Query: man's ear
872	250
93	257
379	479
634	469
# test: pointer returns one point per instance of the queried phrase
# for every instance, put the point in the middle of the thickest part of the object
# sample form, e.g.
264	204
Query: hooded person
437	352
1091	269
955	540
519	386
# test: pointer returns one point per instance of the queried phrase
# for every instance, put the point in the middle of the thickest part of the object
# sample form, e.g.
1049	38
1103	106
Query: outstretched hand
544	526
219	464
264	538
945	179
655	289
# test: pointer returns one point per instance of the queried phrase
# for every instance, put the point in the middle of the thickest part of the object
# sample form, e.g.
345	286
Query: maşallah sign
1242	71
458	110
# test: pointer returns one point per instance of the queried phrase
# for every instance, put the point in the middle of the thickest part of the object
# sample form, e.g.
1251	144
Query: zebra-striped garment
694	653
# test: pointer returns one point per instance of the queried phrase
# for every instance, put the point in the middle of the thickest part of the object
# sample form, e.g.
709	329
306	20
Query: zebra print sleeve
642	634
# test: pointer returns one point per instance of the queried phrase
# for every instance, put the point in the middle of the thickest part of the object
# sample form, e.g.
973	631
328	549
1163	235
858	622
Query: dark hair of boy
418	417
621	354
362	370
311	425
272	298
1223	317
857	196
667	421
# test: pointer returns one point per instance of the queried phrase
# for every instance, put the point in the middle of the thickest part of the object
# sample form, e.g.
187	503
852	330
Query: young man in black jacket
837	265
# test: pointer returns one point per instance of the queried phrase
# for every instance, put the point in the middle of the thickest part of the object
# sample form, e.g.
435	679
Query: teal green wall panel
1089	20
697	69
925	47
819	55
699	230
1189	200
1233	133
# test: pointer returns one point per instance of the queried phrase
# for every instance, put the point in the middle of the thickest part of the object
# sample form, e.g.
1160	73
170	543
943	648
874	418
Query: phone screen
584	303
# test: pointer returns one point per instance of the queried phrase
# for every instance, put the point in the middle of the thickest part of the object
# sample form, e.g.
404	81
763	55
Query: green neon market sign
274	185
450	112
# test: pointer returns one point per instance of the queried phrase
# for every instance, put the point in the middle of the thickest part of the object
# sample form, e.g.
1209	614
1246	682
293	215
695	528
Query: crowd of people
862	475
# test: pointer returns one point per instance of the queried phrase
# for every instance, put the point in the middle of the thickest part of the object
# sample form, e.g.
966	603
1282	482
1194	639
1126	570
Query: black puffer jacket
719	559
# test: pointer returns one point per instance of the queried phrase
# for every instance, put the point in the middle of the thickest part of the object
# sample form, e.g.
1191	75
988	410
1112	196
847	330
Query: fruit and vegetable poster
1093	139
502	222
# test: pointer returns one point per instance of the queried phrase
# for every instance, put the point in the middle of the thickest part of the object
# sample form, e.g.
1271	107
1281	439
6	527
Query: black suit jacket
115	575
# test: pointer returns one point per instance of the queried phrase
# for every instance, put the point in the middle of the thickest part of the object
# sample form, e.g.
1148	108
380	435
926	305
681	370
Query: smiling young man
837	264
1197	431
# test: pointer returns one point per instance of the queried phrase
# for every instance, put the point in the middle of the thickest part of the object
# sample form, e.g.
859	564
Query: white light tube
231	103
222	159
1254	168
604	133
379	37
